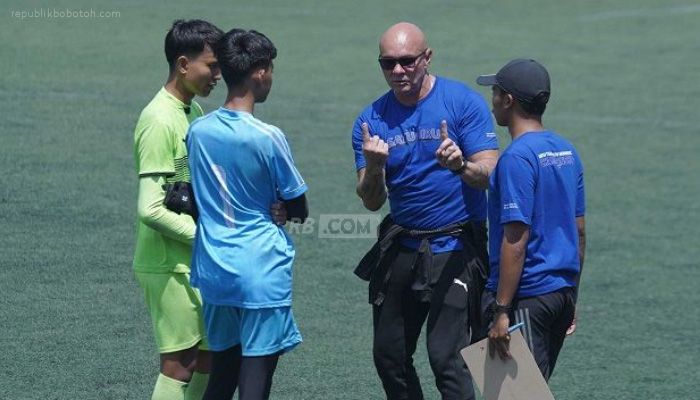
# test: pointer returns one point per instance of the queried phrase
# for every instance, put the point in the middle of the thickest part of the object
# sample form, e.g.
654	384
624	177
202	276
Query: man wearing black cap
536	217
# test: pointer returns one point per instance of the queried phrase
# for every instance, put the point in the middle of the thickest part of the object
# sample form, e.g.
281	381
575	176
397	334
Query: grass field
625	91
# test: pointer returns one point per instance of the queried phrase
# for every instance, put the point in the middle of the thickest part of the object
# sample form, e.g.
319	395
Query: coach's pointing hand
376	151
449	155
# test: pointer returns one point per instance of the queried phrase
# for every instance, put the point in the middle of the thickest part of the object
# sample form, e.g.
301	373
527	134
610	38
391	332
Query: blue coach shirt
422	194
538	181
239	167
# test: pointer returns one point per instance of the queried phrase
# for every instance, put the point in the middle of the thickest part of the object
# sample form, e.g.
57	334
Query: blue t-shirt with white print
239	166
538	181
422	194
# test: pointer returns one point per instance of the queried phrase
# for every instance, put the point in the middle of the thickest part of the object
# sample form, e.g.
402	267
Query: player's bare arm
371	181
474	170
581	227
513	250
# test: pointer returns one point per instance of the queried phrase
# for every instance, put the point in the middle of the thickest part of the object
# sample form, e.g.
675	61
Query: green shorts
176	311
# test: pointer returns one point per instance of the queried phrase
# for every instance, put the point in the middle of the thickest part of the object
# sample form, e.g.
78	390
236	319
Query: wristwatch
459	171
500	308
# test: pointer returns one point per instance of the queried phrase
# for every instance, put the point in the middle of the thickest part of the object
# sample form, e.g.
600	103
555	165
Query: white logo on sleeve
510	206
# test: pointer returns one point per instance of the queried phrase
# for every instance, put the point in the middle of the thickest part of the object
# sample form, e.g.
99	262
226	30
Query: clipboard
516	379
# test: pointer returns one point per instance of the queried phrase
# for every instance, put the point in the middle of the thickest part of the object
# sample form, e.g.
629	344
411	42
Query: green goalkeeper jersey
159	150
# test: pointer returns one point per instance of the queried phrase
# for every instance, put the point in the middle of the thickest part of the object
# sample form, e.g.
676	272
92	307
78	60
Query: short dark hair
240	52
188	38
535	108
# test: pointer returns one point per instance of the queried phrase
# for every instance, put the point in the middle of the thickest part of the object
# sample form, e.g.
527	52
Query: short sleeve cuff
156	172
293	194
476	149
513	217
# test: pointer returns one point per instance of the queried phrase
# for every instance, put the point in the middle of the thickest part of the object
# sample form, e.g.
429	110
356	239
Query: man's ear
259	74
255	75
508	101
182	64
428	55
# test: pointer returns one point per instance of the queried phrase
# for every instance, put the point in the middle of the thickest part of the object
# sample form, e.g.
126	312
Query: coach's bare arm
478	168
371	180
513	253
474	170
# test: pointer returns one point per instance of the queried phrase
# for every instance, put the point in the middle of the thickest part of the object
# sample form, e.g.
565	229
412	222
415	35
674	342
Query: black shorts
546	318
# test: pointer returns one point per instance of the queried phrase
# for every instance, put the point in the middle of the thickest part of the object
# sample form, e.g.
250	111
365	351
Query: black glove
179	198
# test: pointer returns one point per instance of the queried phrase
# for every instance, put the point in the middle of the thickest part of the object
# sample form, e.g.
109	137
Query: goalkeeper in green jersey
164	238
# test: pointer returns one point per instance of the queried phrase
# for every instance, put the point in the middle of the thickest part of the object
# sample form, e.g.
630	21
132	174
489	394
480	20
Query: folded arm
297	209
152	212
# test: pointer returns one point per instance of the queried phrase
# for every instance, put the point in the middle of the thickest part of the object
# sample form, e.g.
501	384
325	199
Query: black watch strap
501	308
459	171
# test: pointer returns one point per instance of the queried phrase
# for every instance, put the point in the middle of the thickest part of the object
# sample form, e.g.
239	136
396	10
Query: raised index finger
443	130
365	133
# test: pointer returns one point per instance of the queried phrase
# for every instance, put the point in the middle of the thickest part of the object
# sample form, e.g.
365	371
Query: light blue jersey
239	166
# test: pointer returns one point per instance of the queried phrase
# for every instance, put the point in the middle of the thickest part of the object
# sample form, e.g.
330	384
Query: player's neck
175	87
520	126
411	99
240	100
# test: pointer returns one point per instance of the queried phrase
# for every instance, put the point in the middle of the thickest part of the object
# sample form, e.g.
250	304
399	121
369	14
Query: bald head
404	58
402	39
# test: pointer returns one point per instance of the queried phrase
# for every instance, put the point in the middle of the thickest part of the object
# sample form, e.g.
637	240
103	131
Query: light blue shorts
260	332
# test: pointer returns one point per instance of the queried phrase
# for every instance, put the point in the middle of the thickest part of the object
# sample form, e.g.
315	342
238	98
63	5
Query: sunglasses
388	63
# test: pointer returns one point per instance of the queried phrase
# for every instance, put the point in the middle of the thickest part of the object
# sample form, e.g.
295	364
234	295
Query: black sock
224	375
255	379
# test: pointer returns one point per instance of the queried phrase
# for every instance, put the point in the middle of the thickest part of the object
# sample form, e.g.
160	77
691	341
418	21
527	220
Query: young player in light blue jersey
242	260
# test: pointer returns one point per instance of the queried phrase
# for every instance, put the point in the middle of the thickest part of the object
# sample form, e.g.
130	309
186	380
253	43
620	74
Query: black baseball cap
526	79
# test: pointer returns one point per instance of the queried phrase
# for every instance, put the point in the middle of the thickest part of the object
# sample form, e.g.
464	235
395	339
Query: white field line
641	12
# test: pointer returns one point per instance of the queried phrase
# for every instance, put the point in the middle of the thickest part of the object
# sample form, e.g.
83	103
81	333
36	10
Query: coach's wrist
460	171
374	170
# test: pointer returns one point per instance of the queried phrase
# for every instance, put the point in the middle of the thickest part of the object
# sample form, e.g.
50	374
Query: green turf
74	325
